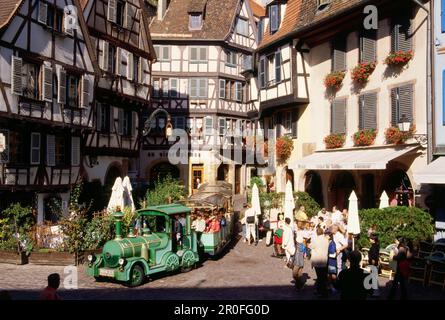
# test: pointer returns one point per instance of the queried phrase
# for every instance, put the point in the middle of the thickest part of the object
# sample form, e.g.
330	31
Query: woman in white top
319	260
288	239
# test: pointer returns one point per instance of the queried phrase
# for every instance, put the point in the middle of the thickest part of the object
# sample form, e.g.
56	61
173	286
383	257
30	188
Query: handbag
290	263
250	219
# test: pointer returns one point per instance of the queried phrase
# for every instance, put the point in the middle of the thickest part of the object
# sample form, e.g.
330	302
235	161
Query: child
332	262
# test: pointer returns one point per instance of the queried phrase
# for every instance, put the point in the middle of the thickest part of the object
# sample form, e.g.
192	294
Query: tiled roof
197	5
218	19
7	10
257	9
289	23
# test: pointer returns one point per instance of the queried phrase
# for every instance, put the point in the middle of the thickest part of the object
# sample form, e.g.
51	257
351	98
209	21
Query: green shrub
99	230
304	199
165	190
258	181
16	220
412	223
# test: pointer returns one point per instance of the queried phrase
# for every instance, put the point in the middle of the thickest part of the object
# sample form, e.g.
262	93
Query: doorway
368	199
237	179
197	176
342	185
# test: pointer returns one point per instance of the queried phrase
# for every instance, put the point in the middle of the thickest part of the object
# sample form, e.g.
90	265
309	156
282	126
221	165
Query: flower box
393	135
284	147
13	257
399	58
364	137
362	72
335	141
334	80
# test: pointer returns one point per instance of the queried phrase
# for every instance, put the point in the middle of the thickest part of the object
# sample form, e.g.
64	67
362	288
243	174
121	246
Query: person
373	256
200	227
198	183
50	292
345	214
322	213
340	244
251	221
332	261
300	251
336	216
301	216
288	240
177	230
321	223
350	281
319	261
403	270
215	225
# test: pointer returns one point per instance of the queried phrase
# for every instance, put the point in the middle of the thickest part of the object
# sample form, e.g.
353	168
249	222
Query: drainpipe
429	106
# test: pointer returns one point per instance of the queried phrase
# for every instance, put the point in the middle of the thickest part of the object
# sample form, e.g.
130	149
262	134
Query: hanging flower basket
335	141
399	58
334	80
364	138
284	147
363	71
393	135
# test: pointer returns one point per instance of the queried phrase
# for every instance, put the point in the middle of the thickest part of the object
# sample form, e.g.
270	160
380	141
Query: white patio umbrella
353	219
384	200
255	201
117	196
128	197
289	203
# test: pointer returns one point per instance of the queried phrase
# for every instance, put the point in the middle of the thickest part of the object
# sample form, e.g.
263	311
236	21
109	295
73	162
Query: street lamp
148	124
404	124
405	127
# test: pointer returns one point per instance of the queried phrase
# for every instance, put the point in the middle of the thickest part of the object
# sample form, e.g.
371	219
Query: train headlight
121	262
90	258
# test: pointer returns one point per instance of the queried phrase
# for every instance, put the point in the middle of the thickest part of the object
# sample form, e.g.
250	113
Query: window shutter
222	88
406	102
401	33
75	151
165	53
263	79
295	123
278	67
394	107
368	111
99	116
339	54
368	46
105	55
128	16
120	119
130	66
85	98
193	88
174	90
133	123
43	12
112	122
141	70
47	92
442	15
119	53
61	88
16	75
68	26
274	18
338	116
157	52
239	91
202	54
111	13
35	148
203	88
50	150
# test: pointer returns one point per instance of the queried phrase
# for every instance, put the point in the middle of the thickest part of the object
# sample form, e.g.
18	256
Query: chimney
162	7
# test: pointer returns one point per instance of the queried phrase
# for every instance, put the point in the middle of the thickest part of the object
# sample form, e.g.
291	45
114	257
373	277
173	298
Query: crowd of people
324	241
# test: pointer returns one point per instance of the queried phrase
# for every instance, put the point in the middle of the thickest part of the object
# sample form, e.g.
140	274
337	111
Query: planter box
13	257
52	258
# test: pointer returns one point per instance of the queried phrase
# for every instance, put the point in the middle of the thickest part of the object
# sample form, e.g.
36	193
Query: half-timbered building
120	35
204	49
46	92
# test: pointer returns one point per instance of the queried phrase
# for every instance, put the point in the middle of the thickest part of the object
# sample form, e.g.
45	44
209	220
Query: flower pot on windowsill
362	72
363	138
334	80
399	59
284	147
393	135
335	140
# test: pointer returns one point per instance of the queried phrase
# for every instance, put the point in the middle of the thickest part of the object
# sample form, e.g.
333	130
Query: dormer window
195	21
323	4
274	18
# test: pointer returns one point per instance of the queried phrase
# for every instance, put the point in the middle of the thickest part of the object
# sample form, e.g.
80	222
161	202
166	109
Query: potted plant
363	71
393	135
284	147
399	58
335	140
364	137
334	80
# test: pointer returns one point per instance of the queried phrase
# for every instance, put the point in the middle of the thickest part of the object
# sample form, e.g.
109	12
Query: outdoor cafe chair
425	249
418	269
437	274
439	247
385	263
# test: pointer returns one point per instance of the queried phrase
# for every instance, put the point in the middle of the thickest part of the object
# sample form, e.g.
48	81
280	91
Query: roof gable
7	10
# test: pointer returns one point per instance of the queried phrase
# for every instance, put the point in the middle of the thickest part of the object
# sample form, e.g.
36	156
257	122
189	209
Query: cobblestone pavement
244	272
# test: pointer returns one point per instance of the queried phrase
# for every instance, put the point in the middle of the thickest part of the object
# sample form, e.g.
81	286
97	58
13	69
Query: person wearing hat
301	217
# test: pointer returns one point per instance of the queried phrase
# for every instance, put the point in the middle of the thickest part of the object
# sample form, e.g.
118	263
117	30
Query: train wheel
188	261
136	276
171	262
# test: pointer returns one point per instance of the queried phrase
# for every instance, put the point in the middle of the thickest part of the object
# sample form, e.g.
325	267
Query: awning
360	159
434	173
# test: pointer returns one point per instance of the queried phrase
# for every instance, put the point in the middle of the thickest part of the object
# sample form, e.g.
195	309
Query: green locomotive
131	259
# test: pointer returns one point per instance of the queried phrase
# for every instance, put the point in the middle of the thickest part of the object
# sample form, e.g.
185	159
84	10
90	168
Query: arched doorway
162	170
398	187
223	173
313	186
113	172
341	187
290	176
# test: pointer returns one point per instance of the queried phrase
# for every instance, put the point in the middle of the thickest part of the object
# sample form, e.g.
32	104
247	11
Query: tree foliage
412	223
16	223
304	199
166	190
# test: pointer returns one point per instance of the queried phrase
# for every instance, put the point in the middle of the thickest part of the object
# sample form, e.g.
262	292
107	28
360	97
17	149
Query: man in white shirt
288	239
341	243
250	221
336	215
